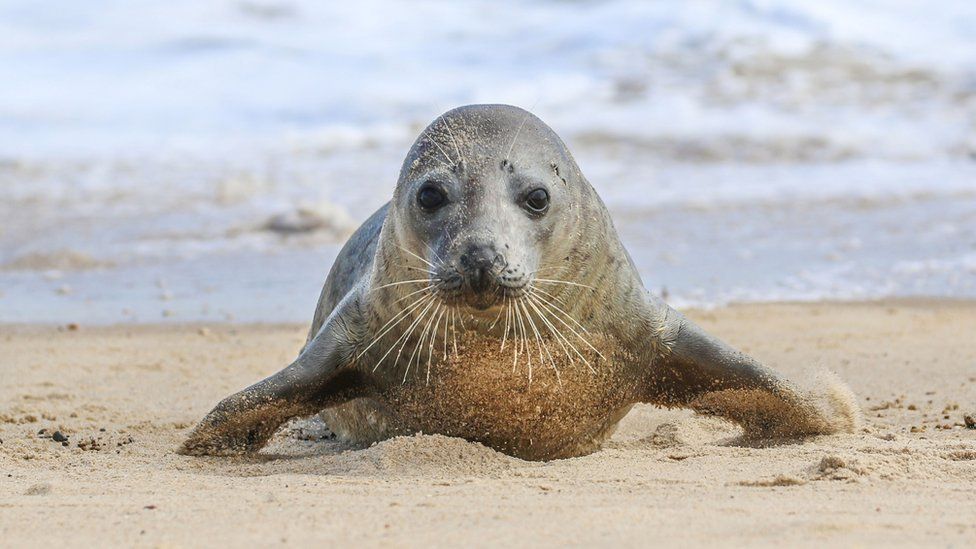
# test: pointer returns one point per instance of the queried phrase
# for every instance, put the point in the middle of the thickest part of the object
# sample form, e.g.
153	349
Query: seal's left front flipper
696	370
245	421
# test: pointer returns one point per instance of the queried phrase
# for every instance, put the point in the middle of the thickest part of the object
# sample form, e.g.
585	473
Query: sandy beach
178	177
123	397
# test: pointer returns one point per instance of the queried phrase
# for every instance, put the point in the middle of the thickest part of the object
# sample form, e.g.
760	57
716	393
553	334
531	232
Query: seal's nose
480	264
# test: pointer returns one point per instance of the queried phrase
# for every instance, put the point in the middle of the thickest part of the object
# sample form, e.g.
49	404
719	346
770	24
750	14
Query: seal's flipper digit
244	421
701	372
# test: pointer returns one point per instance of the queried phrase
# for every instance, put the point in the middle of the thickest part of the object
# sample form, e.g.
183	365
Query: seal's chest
514	401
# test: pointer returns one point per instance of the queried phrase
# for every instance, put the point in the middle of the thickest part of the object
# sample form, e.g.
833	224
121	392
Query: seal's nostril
480	278
480	264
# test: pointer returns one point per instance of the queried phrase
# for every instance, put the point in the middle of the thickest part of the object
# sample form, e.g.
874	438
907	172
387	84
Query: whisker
571	329
498	316
549	268
406	335
422	305
517	132
420	342
540	345
551	281
567	315
457	148
552	296
433	338
521	342
400	283
454	329
508	316
418	257
412	268
424	335
546	306
561	340
450	161
531	325
546	345
515	333
445	333
415	292
393	322
434	253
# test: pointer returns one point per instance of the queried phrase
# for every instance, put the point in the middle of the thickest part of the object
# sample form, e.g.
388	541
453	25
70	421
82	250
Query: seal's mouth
481	303
502	293
457	290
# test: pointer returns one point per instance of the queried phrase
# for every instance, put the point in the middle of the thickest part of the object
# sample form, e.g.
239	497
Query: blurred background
204	160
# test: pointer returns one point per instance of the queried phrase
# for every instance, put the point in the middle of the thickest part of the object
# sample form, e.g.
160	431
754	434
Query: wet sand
124	397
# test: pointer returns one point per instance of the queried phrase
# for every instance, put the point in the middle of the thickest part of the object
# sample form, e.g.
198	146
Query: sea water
205	160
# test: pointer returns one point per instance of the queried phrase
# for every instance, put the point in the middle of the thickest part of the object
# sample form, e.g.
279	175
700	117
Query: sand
126	396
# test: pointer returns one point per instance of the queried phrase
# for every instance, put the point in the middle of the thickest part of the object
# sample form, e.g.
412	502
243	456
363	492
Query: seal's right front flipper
245	421
698	371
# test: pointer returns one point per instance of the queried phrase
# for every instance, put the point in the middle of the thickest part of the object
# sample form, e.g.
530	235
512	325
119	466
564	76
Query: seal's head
488	200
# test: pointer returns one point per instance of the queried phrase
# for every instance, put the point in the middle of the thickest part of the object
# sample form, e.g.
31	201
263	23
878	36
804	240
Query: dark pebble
970	421
58	436
102	429
64	444
42	431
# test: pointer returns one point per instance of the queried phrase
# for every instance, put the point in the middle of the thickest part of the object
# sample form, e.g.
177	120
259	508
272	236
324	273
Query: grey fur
485	158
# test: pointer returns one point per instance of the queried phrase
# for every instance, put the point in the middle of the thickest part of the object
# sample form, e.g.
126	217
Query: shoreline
176	323
124	396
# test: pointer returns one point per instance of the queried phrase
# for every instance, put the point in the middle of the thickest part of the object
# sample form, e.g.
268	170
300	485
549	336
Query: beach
91	415
177	178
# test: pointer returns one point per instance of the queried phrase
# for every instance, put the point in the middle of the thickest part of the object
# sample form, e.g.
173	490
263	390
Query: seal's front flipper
698	371
244	421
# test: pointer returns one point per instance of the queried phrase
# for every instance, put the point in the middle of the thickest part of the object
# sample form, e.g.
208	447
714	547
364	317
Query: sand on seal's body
664	476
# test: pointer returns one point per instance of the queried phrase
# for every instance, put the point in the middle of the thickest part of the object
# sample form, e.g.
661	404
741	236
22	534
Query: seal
491	299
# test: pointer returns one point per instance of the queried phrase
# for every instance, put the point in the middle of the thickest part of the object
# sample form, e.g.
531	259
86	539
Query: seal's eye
430	197
537	201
